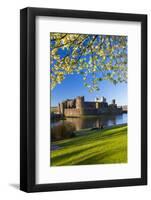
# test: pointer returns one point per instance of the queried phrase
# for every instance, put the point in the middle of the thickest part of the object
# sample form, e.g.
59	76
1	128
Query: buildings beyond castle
78	106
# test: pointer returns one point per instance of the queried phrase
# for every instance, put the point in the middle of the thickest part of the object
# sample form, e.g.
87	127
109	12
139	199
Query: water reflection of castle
78	106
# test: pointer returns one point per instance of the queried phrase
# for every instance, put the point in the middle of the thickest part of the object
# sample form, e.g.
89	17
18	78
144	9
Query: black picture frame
28	99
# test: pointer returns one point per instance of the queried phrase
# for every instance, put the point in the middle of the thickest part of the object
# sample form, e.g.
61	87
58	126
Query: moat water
64	128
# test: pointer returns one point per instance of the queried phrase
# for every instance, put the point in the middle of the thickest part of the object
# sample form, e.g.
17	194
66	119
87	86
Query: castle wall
77	112
89	105
77	107
72	112
90	111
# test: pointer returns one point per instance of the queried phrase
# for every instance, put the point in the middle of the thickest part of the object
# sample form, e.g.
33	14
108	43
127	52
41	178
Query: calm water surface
63	128
93	122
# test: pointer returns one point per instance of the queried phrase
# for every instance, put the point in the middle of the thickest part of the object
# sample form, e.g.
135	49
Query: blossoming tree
94	57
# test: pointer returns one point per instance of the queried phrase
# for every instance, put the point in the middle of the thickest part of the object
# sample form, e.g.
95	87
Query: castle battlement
78	106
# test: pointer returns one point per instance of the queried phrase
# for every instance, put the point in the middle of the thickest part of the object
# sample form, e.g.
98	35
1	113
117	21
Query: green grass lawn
92	147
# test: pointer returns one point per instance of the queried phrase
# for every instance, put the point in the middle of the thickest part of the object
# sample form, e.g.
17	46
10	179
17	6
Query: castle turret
80	104
97	105
59	109
103	103
97	102
113	101
62	108
103	99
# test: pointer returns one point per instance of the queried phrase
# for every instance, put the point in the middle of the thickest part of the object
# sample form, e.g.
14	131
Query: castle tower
97	99
80	104
113	101
103	99
97	105
62	108
59	109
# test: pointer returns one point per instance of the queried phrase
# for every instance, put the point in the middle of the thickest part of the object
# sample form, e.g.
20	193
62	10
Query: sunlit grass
92	147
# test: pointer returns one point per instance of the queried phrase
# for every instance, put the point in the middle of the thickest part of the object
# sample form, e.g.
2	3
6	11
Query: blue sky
72	86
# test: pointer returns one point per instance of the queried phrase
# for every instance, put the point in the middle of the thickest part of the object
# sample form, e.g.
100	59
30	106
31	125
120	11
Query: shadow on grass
100	158
93	148
75	153
95	135
96	158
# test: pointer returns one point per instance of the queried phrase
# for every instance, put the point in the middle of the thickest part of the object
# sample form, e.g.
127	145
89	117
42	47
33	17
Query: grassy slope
93	147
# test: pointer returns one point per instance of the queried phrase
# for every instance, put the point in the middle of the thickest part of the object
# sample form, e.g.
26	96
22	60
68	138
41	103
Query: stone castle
78	107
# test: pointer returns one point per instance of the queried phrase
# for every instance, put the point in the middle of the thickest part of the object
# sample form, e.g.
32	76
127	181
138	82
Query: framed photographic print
83	96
